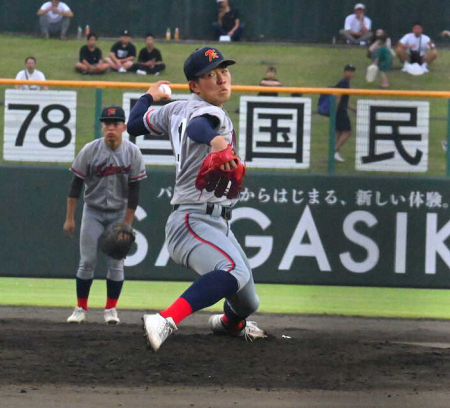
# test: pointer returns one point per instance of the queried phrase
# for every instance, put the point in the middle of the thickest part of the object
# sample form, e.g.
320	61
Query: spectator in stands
91	61
54	18
228	22
343	125
416	47
150	59
357	26
381	39
30	73
382	61
269	80
122	54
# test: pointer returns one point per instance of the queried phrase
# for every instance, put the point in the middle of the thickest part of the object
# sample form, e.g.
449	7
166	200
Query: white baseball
164	88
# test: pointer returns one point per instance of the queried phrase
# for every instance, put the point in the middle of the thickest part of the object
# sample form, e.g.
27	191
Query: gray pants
48	26
356	40
93	223
205	243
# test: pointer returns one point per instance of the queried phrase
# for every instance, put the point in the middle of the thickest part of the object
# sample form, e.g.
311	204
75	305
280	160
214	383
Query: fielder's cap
360	6
203	60
113	113
126	33
350	67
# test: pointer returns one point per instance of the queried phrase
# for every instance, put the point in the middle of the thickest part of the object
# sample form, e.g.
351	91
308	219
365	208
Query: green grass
295	299
297	65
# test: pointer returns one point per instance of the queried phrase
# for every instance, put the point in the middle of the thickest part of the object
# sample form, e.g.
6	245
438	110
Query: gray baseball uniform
197	234
106	174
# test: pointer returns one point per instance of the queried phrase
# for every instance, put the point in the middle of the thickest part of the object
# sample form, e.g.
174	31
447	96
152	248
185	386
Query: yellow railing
236	88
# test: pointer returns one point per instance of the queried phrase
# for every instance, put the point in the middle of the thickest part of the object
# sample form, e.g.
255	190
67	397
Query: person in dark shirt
91	61
228	22
150	59
269	80
122	54
343	125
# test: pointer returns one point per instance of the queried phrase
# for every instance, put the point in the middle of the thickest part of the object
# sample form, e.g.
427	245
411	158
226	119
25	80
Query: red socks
233	328
179	310
83	302
111	303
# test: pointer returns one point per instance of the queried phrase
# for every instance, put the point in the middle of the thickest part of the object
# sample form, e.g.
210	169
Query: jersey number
34	109
180	129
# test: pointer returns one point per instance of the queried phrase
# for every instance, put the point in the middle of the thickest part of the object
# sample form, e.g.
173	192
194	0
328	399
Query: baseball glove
116	241
223	182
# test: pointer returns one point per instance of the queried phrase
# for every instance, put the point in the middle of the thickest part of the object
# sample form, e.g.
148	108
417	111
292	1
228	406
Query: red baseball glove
212	177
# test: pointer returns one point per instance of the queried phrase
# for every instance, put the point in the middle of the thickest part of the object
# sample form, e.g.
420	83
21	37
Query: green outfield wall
303	229
265	20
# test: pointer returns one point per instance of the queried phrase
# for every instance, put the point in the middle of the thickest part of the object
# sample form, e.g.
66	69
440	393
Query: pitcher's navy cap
113	113
204	60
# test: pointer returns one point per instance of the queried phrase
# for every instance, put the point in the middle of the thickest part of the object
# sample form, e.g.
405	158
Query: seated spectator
30	73
150	59
445	33
269	80
122	54
91	61
228	22
357	26
54	18
381	40
416	47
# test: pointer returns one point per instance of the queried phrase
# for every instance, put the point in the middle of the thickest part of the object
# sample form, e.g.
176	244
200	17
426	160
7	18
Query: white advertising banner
40	126
392	135
275	132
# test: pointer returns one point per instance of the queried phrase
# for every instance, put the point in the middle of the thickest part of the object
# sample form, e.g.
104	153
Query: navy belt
225	213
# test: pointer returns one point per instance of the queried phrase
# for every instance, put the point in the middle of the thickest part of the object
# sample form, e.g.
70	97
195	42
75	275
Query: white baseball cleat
250	332
157	329
78	315
110	316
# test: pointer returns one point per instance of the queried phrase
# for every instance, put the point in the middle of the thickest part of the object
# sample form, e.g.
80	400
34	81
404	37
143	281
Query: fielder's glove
223	182
116	241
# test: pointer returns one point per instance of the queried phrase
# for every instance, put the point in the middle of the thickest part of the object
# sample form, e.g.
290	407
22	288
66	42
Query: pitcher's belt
224	212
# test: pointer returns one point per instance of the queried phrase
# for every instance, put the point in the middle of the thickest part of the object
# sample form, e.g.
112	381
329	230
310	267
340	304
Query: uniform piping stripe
147	119
191	231
139	177
77	172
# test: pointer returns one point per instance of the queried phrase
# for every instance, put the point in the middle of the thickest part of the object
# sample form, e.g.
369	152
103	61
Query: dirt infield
306	362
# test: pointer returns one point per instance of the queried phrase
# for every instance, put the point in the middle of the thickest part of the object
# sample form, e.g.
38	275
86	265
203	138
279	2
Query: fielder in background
111	167
207	184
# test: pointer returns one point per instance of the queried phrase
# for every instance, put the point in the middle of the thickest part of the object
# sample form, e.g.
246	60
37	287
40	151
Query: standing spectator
357	26
150	59
416	47
91	61
122	54
30	73
54	18
343	125
269	80
228	22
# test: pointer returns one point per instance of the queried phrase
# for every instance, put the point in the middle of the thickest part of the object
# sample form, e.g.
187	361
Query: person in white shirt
416	47
30	73
357	26
54	18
